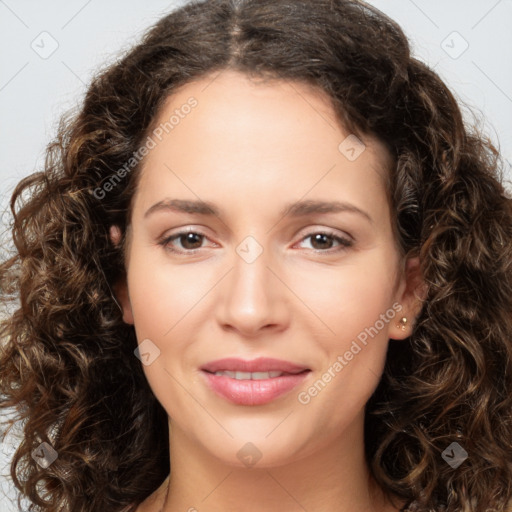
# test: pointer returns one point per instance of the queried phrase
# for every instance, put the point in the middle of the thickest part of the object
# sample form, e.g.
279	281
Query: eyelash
344	242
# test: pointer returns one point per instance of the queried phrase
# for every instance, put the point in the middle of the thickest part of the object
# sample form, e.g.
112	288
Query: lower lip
253	392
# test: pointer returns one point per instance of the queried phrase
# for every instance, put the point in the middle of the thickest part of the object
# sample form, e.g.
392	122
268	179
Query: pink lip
261	364
253	392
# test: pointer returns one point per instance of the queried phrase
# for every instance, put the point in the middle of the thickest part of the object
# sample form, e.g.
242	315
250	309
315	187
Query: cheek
168	302
161	293
162	298
357	306
349	297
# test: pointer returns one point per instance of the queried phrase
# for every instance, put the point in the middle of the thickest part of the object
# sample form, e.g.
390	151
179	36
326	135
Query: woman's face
298	263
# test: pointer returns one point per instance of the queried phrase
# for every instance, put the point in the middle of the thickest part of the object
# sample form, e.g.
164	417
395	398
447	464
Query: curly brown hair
67	363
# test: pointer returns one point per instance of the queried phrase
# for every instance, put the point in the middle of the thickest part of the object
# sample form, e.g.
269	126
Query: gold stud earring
402	323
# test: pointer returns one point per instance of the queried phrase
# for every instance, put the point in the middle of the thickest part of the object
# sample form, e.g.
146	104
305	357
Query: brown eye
189	241
323	241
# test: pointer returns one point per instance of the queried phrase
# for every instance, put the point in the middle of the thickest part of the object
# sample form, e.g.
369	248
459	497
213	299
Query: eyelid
326	231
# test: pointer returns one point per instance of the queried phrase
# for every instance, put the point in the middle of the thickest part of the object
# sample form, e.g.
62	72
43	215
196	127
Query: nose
252	299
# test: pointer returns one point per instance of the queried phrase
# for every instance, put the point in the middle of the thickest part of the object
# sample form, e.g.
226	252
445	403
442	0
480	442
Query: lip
253	392
261	364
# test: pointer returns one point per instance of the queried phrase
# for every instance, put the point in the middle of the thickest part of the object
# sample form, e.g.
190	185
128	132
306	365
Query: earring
402	323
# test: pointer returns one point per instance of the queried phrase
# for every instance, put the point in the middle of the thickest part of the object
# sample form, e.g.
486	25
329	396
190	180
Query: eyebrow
296	209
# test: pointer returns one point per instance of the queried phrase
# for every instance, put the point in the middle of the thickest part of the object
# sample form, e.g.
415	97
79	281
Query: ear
411	295
121	286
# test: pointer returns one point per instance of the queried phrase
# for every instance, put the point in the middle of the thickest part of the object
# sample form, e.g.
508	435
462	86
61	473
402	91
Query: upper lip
261	364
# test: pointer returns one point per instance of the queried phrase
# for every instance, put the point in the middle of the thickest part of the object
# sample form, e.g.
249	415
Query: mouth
255	382
258	365
253	375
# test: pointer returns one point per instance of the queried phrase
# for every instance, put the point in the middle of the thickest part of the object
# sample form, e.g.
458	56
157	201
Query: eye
323	241
190	241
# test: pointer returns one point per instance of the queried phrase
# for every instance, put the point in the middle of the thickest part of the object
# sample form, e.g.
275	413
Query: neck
333	478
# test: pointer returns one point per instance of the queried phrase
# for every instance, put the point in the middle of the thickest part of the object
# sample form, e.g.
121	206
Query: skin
252	147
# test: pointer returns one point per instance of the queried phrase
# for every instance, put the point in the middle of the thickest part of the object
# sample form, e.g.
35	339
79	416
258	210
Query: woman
266	267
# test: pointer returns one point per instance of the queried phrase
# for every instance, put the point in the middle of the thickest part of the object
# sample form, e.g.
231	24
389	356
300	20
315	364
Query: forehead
227	129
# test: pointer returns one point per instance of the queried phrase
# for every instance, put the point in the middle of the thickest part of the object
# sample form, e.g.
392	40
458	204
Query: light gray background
468	42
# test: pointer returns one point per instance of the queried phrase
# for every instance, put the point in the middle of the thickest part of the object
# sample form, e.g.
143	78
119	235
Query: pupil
322	238
189	239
